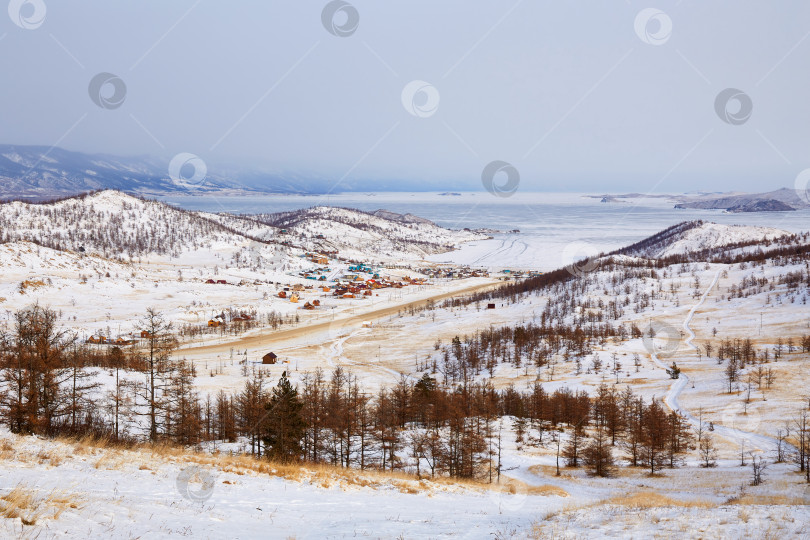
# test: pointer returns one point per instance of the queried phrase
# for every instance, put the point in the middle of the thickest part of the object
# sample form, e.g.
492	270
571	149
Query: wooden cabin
282	294
269	358
294	298
214	323
316	302
145	334
490	306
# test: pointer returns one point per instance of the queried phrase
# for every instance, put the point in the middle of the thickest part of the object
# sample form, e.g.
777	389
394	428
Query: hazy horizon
577	98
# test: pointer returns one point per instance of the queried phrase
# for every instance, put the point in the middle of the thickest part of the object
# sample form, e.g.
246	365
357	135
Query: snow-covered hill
697	236
26	257
113	224
116	225
380	235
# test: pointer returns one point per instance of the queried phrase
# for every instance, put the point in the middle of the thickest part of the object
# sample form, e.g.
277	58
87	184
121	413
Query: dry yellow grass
769	500
23	502
119	455
51	456
651	499
30	284
515	486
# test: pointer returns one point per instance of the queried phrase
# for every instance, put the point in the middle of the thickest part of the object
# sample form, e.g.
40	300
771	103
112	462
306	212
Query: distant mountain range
781	200
42	172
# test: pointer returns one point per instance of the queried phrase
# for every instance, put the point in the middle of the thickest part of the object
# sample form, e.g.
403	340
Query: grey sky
566	92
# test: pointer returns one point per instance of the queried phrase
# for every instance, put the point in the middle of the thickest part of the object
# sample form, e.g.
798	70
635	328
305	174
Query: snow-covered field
68	488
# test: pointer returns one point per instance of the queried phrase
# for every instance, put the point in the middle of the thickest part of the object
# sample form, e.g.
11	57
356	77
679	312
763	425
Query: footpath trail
752	441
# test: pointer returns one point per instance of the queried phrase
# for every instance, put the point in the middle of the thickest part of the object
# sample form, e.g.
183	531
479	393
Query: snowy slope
113	224
695	236
28	257
381	234
710	235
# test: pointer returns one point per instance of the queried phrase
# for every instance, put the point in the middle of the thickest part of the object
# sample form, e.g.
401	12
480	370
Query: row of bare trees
51	386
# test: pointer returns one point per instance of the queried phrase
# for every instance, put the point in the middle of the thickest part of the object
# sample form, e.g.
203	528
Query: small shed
269	358
490	306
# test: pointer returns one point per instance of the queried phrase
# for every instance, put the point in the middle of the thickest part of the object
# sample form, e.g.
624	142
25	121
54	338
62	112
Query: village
327	283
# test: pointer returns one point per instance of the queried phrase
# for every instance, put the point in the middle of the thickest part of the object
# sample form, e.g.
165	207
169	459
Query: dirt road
270	337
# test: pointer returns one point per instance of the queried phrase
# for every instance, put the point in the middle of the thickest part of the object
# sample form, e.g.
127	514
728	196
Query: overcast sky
575	95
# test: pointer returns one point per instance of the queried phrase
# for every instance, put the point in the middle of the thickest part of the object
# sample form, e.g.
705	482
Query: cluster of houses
220	320
131	340
453	272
